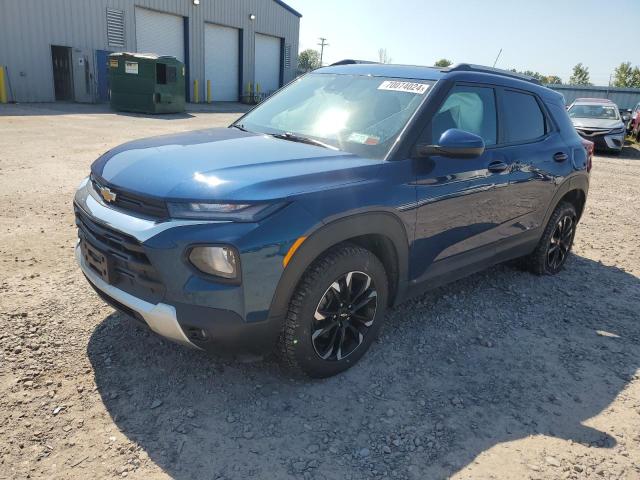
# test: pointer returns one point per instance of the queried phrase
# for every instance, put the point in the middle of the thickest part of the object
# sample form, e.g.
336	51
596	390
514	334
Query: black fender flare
326	236
575	182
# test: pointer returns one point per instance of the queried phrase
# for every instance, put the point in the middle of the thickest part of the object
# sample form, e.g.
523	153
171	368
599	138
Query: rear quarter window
522	117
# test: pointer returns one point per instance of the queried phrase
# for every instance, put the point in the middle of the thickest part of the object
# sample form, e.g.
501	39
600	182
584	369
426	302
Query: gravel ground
501	375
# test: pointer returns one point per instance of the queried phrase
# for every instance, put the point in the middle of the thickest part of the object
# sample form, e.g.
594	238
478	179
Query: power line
323	43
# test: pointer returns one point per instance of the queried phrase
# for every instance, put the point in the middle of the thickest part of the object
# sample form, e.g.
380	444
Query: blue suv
349	190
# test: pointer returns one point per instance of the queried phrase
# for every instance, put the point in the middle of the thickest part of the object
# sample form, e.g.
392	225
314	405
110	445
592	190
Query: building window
115	27
287	56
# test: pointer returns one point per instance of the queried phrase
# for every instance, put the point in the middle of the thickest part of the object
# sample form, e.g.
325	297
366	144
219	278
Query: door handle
497	167
560	157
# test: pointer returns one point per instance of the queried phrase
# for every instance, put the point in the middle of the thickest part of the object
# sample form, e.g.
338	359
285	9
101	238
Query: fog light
218	261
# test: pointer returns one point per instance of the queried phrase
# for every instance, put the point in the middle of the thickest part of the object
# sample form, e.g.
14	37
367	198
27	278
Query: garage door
267	63
160	33
221	61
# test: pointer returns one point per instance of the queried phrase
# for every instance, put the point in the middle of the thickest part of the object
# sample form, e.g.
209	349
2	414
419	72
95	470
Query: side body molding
383	224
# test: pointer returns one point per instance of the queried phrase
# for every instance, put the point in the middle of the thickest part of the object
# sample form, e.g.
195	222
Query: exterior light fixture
196	2
252	16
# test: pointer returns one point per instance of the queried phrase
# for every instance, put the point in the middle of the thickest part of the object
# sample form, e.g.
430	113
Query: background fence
623	97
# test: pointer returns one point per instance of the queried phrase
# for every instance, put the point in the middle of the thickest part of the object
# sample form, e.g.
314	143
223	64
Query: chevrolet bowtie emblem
107	195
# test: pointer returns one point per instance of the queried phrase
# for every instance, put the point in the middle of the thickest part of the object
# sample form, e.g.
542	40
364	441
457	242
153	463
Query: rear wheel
335	313
555	245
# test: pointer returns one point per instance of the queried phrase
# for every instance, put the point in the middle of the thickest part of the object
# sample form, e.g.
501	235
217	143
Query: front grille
592	132
132	271
146	206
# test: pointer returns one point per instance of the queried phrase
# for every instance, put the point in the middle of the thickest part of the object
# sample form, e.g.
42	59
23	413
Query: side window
523	118
472	109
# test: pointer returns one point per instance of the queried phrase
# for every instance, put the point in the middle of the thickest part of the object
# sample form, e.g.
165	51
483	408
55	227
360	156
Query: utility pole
323	43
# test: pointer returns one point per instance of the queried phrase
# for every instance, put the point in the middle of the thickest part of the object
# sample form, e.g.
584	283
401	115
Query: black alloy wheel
335	313
560	242
556	241
344	316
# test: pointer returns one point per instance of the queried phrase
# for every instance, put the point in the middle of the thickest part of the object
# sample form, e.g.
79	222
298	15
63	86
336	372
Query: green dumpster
146	83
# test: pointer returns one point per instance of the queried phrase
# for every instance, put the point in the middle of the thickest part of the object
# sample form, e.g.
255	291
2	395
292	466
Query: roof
461	72
592	100
287	7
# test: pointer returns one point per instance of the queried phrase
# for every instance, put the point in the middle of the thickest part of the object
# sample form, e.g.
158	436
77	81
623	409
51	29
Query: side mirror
454	143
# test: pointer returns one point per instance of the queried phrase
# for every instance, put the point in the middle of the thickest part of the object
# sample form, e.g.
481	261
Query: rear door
537	156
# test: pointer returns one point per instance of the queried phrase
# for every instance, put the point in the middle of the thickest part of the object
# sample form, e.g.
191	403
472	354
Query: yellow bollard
3	89
196	96
257	93
208	91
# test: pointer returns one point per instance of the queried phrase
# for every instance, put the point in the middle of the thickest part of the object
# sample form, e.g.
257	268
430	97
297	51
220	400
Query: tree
308	60
622	75
626	76
551	80
580	75
383	57
531	73
443	63
546	79
635	77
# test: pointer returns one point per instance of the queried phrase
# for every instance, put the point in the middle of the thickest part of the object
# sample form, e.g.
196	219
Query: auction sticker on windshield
409	87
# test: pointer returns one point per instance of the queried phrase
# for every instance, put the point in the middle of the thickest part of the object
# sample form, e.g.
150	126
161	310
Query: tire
315	322
554	246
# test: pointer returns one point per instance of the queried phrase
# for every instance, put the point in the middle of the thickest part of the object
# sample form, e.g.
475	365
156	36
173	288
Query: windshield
358	114
601	112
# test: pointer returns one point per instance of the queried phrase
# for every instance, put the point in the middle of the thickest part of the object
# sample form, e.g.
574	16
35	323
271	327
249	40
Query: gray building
57	49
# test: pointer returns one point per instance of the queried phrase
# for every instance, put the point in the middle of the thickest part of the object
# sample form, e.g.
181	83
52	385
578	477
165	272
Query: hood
228	164
596	123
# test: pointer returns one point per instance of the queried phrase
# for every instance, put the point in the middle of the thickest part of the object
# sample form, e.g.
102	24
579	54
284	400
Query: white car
598	120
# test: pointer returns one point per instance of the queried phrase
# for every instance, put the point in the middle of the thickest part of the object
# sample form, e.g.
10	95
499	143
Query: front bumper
161	317
611	142
190	308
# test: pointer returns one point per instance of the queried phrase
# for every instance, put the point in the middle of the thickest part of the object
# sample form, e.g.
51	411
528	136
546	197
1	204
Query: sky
548	36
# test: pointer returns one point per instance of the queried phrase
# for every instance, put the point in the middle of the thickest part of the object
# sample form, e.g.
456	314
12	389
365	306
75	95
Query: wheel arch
573	190
382	233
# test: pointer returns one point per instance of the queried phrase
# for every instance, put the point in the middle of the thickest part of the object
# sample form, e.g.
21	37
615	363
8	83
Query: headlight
239	212
215	260
617	131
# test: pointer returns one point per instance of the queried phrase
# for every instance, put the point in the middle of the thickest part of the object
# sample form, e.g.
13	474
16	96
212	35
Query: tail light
588	146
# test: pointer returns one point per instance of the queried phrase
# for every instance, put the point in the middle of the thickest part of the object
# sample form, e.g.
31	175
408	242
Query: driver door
461	202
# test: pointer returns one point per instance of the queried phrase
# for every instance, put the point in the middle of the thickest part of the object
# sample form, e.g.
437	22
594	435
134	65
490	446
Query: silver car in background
598	120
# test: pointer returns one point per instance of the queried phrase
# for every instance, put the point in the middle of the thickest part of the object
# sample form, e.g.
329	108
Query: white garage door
160	33
267	63
221	61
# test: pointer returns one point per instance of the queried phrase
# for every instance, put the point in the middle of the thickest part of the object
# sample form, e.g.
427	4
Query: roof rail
349	61
592	100
468	67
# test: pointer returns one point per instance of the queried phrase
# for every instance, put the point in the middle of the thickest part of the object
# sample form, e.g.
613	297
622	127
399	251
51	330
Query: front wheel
335	313
555	244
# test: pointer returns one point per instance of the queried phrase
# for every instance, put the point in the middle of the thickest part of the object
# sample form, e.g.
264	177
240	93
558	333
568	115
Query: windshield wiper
239	127
292	137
